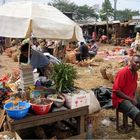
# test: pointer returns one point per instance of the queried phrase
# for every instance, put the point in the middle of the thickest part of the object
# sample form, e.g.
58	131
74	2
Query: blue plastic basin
17	113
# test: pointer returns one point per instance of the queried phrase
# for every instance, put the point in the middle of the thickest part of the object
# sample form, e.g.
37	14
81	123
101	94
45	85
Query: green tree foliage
125	15
80	12
106	11
64	5
85	12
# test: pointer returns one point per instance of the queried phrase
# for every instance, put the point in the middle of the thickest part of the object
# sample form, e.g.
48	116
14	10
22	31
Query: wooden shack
121	30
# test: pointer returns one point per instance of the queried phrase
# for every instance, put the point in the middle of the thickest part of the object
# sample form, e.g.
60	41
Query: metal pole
115	8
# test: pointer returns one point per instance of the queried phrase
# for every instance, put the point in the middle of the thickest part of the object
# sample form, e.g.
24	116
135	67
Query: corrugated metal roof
82	23
133	23
110	22
116	21
136	17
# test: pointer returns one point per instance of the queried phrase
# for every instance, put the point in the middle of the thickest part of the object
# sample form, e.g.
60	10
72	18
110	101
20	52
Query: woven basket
103	73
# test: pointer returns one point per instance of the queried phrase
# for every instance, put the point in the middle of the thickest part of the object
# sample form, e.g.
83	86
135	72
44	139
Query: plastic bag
94	105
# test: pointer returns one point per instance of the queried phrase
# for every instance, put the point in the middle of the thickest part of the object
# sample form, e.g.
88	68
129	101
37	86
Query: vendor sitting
37	60
93	48
81	52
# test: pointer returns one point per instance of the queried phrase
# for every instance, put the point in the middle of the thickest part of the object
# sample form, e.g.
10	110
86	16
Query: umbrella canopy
20	19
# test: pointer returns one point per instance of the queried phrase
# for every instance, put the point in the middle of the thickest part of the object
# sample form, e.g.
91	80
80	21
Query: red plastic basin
42	109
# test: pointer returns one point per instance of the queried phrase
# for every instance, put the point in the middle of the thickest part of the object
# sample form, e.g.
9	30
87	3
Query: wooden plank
78	124
46	120
54	114
2	121
82	124
80	137
2	118
9	124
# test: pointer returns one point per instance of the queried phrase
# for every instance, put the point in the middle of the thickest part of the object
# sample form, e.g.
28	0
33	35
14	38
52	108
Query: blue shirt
94	48
38	60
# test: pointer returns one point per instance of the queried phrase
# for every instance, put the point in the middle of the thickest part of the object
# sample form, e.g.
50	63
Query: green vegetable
64	76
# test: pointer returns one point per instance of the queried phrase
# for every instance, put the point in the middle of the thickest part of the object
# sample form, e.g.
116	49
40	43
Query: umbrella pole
29	50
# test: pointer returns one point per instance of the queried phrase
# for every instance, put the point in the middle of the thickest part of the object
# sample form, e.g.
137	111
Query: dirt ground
88	79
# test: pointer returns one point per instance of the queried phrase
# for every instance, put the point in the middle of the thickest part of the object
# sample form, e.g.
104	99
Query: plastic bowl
17	113
40	109
58	102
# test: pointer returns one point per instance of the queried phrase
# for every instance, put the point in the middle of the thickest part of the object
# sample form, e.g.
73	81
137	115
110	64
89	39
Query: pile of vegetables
64	76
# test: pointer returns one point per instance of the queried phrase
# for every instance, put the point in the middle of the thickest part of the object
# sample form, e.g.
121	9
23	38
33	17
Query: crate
76	100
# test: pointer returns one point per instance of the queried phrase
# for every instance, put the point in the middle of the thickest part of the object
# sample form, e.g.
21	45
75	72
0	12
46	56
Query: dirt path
6	64
87	80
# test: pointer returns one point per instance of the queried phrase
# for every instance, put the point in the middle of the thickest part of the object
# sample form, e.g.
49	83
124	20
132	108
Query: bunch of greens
64	76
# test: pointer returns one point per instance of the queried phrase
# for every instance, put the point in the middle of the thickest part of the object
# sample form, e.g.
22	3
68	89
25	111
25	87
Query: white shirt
36	48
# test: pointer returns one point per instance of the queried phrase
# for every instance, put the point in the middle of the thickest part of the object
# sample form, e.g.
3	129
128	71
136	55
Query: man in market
37	60
124	90
81	52
93	48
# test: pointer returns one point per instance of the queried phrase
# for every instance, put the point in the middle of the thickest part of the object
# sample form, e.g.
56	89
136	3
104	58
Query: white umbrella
20	19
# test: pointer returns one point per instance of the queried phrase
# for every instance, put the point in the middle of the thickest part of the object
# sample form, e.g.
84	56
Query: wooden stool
125	127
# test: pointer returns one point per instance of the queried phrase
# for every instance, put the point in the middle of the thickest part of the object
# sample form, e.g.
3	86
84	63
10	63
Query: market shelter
21	19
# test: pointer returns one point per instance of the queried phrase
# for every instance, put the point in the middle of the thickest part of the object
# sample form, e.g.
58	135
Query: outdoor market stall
45	110
40	21
80	114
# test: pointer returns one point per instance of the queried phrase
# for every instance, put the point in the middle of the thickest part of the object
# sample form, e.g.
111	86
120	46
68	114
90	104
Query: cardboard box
10	134
76	100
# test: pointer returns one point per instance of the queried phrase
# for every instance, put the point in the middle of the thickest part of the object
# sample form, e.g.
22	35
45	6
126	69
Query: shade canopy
21	19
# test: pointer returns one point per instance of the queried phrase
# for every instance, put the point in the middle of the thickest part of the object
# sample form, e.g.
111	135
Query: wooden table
36	120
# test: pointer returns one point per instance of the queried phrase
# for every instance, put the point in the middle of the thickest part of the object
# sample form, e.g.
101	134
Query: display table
36	120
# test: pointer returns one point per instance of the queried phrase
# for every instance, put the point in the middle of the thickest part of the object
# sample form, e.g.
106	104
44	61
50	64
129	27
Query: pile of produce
12	52
41	101
17	107
90	62
70	57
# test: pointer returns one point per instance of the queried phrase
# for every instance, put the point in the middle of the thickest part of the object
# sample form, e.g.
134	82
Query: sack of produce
103	72
15	56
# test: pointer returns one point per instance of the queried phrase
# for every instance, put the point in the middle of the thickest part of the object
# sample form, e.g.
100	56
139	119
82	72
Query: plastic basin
17	113
40	109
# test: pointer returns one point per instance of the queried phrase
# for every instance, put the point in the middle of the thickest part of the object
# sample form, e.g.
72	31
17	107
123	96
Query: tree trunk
107	28
115	8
